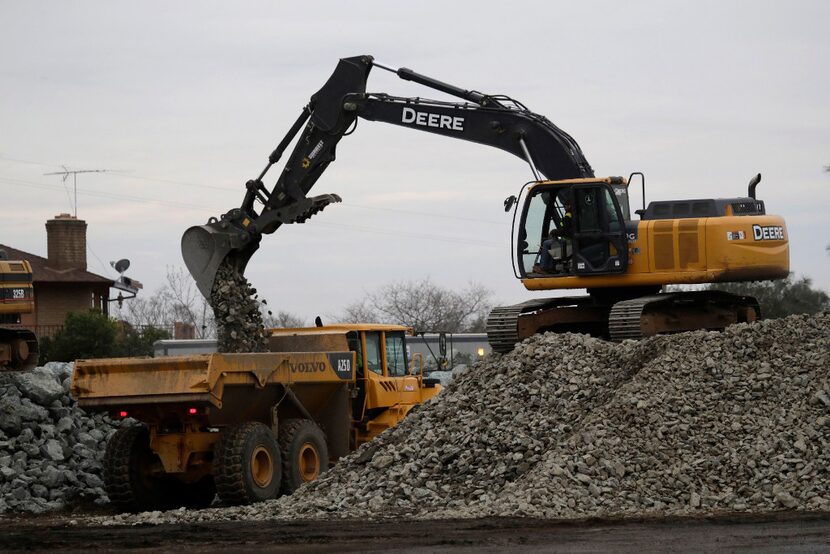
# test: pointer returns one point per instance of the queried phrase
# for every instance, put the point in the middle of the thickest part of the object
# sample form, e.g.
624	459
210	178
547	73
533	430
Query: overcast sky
184	101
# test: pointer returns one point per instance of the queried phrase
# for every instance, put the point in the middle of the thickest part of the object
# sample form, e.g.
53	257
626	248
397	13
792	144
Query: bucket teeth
317	205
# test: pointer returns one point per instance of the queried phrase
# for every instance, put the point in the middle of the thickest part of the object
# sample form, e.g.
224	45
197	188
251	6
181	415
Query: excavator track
502	323
626	317
677	312
18	349
634	318
507	325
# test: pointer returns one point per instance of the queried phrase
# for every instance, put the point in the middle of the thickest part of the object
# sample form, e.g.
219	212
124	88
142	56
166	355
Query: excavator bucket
205	248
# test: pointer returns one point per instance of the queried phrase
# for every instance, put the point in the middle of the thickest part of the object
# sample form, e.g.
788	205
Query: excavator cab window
593	242
599	240
544	212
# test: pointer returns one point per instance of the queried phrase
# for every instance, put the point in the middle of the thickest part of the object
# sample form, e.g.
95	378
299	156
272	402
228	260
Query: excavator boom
493	120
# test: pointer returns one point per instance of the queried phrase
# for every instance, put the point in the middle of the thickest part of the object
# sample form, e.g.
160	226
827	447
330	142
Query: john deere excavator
18	345
623	263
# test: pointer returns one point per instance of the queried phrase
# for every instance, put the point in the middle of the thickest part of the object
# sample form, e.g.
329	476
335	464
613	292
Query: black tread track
289	430
228	458
119	471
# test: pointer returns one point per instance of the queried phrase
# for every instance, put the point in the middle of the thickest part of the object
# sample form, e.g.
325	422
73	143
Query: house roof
42	273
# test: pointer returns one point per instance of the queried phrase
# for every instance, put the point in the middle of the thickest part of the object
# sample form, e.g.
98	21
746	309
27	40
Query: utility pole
67	172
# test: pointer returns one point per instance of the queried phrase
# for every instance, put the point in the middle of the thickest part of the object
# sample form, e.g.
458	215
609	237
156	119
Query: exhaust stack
752	184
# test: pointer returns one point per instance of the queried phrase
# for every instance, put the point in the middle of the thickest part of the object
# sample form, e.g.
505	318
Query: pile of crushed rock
566	426
236	310
50	450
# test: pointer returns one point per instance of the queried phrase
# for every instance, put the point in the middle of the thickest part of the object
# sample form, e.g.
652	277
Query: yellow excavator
18	345
571	230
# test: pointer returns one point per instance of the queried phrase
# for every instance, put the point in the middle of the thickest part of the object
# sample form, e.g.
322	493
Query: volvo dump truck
249	426
18	345
623	263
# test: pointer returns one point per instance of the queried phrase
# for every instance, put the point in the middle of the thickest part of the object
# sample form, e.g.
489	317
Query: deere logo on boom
426	119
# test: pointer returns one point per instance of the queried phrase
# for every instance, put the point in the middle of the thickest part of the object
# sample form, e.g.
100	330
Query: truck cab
387	383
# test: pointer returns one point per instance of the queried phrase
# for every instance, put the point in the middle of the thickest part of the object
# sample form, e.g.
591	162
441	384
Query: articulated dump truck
248	426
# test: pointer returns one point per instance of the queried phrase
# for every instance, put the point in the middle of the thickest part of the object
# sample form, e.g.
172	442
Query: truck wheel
130	468
305	454
246	464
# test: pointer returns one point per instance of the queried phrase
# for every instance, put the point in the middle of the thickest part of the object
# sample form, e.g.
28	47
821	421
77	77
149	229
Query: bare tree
177	300
424	306
144	311
782	297
359	312
186	302
282	319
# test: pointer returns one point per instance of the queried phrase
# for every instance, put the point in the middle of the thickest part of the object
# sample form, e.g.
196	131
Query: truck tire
305	454
128	467
246	464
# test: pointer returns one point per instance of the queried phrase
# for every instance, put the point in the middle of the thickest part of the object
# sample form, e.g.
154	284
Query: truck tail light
192	411
122	413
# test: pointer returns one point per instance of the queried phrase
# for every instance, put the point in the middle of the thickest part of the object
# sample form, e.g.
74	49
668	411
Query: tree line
422	304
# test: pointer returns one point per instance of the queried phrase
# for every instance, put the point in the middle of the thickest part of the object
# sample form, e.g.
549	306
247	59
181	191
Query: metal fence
51	330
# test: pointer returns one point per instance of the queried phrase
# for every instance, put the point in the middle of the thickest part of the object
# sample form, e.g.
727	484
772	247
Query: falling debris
238	319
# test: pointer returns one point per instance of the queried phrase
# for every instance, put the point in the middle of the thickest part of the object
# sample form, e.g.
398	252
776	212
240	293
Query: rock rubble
566	426
50	450
238	320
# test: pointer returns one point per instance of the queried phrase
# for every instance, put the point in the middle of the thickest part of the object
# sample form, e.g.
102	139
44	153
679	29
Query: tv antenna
67	172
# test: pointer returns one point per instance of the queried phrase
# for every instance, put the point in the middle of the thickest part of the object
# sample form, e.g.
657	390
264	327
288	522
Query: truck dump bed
202	378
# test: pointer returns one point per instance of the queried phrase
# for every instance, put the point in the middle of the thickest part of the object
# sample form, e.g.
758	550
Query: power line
120	173
111	195
363	229
66	173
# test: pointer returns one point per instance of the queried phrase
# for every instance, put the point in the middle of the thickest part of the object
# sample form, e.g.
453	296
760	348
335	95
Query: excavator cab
574	227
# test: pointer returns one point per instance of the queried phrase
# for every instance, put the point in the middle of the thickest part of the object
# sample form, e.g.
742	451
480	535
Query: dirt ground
783	532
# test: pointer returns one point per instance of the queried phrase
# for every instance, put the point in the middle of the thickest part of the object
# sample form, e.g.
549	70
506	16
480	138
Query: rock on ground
566	426
50	450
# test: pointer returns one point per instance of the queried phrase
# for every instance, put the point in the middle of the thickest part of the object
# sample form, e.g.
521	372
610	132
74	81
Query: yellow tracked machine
18	345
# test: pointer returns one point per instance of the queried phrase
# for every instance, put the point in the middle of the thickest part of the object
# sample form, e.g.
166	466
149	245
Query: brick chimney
66	242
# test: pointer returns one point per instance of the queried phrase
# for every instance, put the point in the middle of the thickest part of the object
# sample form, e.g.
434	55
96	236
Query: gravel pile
567	426
236	310
50	450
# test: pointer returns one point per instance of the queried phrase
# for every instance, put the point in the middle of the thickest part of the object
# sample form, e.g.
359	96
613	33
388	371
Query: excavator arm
496	121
